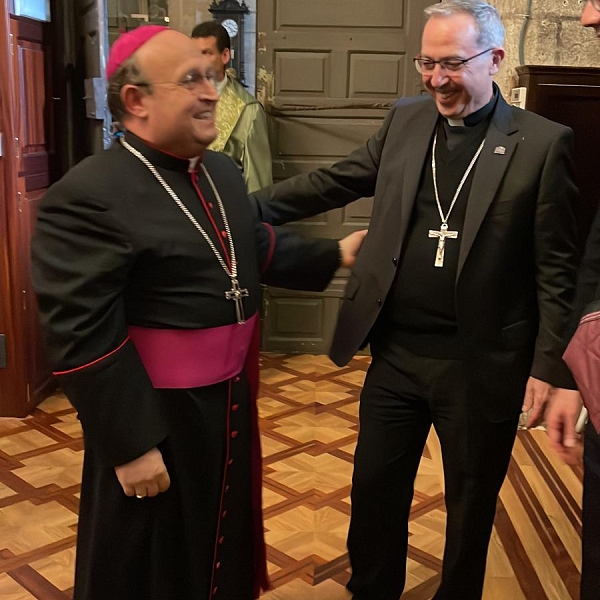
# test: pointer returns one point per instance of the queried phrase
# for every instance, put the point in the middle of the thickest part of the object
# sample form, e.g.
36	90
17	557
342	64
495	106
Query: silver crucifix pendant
442	234
236	294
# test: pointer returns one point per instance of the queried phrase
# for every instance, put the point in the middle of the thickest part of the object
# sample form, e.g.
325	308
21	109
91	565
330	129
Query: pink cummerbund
189	358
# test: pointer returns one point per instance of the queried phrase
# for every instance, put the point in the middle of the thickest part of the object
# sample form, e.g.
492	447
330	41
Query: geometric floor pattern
309	423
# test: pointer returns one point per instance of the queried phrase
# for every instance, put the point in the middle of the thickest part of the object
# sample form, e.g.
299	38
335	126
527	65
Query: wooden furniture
571	95
25	103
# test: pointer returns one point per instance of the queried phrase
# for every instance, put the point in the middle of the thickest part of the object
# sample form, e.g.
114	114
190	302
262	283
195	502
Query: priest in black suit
463	288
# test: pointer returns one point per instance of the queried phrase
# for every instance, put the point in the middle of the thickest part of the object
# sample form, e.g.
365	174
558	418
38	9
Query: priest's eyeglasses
426	65
193	81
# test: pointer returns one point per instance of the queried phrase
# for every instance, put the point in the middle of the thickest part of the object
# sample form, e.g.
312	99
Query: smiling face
175	116
458	94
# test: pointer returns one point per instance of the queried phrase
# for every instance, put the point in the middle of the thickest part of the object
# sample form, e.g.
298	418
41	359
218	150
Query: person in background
241	123
146	260
463	287
565	405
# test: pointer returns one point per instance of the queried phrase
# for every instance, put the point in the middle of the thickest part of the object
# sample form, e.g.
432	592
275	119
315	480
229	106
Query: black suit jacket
518	252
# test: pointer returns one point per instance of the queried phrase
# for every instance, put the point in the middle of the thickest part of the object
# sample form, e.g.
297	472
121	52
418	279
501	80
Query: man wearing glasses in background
463	288
566	404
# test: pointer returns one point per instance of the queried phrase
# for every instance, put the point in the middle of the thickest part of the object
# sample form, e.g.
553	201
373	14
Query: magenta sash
190	358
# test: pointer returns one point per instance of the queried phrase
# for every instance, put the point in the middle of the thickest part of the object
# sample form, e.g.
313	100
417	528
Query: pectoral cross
442	234
236	294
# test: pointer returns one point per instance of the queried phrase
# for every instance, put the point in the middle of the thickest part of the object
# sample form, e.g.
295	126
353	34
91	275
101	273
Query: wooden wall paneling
10	386
26	378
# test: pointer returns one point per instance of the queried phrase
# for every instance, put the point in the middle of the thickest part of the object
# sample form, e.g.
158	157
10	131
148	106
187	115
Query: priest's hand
350	246
145	476
561	419
536	397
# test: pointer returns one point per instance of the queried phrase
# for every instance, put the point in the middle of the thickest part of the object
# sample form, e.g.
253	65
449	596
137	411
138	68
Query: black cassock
112	251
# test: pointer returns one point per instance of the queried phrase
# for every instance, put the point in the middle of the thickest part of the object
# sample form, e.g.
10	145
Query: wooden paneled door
24	108
327	72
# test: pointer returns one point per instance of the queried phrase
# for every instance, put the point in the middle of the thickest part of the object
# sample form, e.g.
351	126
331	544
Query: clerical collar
479	115
220	85
159	157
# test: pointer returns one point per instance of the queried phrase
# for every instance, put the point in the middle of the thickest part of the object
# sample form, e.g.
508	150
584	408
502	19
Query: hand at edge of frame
562	414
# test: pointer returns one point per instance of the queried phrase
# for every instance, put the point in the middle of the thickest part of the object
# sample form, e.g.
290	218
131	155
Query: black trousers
590	572
399	403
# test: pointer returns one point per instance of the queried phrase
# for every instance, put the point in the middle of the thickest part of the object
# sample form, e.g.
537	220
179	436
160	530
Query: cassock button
230	461
218	565
211	205
235	407
215	589
223	514
395	261
236	379
226	488
379	302
224	234
221	539
234	434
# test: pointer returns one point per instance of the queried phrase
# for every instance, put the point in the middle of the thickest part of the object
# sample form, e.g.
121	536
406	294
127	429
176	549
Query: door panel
38	369
327	73
30	69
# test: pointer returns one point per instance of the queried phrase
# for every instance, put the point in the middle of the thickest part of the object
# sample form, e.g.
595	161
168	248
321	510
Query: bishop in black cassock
152	339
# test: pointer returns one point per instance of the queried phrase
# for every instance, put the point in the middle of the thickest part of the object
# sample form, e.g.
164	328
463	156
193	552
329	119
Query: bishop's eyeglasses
193	81
426	65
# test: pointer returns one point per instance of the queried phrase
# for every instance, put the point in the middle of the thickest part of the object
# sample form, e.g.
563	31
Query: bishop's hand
145	476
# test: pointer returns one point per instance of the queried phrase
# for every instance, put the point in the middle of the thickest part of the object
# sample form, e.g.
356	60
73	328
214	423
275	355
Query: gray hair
489	23
127	73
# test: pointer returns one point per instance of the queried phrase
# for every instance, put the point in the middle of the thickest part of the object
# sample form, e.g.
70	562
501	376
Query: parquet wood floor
309	419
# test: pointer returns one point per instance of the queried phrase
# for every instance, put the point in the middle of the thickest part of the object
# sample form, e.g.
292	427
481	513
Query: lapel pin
499	150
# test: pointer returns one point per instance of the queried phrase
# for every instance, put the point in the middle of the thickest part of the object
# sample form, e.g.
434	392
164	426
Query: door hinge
24	299
28	393
1	144
19	201
2	351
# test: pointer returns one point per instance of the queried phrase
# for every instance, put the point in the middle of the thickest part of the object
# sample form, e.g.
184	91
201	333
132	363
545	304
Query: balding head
161	55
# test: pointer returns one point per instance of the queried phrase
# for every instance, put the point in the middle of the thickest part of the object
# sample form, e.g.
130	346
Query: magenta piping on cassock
190	358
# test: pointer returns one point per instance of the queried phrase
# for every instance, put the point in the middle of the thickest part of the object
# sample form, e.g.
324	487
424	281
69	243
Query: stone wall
184	15
554	36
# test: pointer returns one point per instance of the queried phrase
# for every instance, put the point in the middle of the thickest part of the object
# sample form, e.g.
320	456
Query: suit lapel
500	144
415	146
